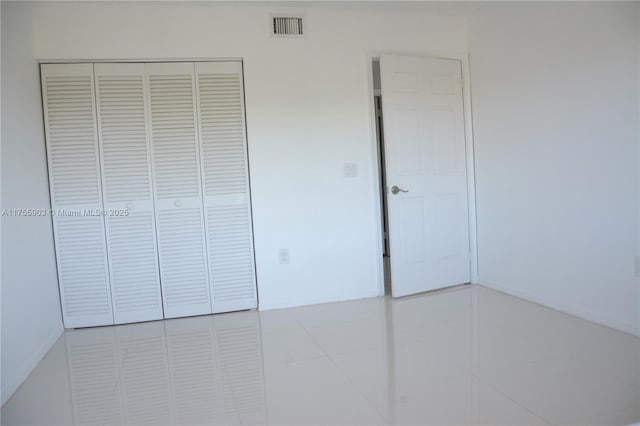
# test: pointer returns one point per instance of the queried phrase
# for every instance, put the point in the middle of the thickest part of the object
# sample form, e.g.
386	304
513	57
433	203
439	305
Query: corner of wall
17	376
574	310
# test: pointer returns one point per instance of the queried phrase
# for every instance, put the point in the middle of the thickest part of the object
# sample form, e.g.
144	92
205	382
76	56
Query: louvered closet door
126	177
226	185
177	187
76	196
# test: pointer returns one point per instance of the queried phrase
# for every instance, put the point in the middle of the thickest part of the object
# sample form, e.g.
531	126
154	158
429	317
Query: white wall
31	319
555	102
308	113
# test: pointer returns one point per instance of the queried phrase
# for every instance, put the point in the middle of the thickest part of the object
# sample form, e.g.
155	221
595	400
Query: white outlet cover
350	170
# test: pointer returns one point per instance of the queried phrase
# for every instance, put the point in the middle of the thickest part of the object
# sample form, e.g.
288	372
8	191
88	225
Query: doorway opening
382	185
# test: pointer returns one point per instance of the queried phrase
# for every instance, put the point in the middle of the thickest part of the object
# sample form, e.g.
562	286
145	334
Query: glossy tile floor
465	356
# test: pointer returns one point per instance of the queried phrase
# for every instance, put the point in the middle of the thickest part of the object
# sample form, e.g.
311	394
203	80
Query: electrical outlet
284	256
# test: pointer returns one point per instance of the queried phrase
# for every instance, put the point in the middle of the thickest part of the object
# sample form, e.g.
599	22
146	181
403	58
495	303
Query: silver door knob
395	190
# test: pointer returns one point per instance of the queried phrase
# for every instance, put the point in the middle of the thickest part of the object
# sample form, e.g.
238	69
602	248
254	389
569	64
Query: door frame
463	58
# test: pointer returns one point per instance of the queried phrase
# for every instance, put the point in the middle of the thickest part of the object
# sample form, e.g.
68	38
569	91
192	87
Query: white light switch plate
350	170
283	256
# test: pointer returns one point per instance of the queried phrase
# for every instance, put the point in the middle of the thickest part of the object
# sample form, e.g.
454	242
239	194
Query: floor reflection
201	370
466	356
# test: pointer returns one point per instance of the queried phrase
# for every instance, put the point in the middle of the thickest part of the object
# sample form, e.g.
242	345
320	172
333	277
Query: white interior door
225	173
126	183
425	173
177	188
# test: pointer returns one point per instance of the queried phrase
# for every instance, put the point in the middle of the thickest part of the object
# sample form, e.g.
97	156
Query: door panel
223	146
126	182
178	195
425	156
76	194
411	217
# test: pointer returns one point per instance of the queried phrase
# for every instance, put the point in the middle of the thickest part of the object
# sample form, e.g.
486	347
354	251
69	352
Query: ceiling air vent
287	26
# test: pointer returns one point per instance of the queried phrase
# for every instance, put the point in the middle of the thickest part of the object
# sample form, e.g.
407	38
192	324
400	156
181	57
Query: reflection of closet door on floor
178	195
239	350
126	182
144	372
74	179
94	376
195	379
223	147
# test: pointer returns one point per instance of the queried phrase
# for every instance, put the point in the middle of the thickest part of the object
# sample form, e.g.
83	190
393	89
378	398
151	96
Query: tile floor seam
601	413
348	379
579	361
568	357
534	361
601	370
373	404
519	404
341	352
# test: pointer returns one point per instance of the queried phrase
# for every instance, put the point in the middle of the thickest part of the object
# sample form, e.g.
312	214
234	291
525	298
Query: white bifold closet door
227	205
178	189
126	182
76	194
149	163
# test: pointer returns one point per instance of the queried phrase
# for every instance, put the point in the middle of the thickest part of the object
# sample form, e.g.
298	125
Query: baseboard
595	317
17	376
282	304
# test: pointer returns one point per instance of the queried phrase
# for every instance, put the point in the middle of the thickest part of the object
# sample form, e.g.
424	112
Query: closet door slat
177	187
223	147
76	194
128	195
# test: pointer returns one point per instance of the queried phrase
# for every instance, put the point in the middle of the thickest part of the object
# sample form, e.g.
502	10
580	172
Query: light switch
283	256
350	170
